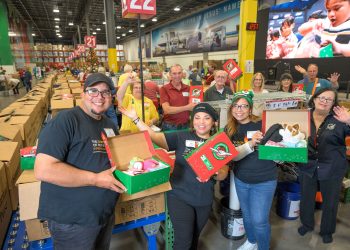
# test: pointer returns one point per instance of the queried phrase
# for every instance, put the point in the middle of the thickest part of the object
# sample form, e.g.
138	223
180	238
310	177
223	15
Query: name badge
109	132
250	134
192	144
185	94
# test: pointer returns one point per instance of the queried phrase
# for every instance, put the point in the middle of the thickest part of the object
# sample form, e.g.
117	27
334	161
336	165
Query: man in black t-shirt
78	189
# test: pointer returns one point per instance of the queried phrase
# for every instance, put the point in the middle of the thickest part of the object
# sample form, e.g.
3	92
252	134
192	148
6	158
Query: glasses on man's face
95	92
242	107
324	99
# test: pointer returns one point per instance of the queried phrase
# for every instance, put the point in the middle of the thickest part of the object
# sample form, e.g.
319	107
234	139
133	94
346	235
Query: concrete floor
284	232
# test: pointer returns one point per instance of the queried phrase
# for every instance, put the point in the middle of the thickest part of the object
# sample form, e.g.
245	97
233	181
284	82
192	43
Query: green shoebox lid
27	163
283	154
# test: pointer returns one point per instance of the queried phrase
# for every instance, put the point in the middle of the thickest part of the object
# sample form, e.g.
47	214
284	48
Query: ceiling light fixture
104	23
119	27
154	19
70	24
56	10
118	37
98	29
142	25
123	34
177	8
56	26
58	34
33	34
57	31
94	33
56	19
130	30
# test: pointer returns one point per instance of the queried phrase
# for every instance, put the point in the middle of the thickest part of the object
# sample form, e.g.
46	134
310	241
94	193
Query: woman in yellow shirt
134	100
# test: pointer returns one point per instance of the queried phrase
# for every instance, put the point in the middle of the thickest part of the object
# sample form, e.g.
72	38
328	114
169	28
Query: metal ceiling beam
30	17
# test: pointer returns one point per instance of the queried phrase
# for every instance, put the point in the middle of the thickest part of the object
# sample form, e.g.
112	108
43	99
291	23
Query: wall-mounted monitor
308	29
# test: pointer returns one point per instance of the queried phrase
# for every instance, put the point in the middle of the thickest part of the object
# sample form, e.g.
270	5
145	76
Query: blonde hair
127	68
262	82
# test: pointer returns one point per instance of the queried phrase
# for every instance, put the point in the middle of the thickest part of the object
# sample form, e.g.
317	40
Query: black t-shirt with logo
74	137
183	180
250	169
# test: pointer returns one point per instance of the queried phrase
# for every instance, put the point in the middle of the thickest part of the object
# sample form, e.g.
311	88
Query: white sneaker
248	246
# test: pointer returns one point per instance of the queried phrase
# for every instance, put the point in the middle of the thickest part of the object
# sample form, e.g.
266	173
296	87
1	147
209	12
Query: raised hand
300	69
131	113
334	77
342	114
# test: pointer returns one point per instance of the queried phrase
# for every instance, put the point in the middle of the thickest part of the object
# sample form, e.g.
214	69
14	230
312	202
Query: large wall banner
214	29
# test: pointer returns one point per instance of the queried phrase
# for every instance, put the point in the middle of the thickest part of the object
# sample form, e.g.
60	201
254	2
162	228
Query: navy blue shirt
327	150
250	169
183	180
74	137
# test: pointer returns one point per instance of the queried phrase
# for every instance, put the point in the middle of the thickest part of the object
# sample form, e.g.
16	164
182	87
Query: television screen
309	29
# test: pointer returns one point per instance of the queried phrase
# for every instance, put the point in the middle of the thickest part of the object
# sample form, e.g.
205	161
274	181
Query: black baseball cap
206	108
96	78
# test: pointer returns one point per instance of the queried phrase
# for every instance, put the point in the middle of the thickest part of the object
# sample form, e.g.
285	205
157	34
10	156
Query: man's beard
96	113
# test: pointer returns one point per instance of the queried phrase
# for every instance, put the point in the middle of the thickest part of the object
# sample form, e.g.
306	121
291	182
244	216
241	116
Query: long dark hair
319	92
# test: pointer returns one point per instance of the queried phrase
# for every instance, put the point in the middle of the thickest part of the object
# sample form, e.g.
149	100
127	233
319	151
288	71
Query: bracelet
136	120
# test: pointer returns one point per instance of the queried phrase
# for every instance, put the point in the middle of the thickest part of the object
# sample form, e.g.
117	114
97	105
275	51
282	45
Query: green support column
5	47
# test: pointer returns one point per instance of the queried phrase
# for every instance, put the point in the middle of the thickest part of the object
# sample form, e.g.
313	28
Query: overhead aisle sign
132	8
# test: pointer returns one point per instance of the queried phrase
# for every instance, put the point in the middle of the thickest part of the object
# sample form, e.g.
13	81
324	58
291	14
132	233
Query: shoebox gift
196	94
138	165
288	130
206	159
27	157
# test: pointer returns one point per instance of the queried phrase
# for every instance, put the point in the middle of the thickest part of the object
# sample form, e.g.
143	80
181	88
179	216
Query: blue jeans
256	200
168	126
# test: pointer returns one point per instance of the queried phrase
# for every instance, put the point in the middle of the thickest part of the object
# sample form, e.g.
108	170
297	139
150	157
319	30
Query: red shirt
152	92
175	98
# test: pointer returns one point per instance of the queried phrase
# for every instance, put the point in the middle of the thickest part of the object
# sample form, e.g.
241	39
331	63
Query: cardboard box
11	133
59	105
121	149
37	229
74	85
290	117
22	122
5	204
208	158
29	193
139	208
9	155
128	208
77	91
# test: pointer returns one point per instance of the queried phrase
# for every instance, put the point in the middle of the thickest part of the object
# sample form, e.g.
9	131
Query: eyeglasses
324	99
95	92
241	107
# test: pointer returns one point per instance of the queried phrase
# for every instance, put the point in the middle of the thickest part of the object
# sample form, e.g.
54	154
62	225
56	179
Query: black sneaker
303	230
327	238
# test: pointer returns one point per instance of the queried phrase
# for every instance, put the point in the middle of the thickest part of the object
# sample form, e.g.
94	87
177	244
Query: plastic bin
288	200
231	221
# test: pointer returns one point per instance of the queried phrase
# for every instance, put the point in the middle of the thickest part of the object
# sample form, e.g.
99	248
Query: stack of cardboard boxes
20	124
